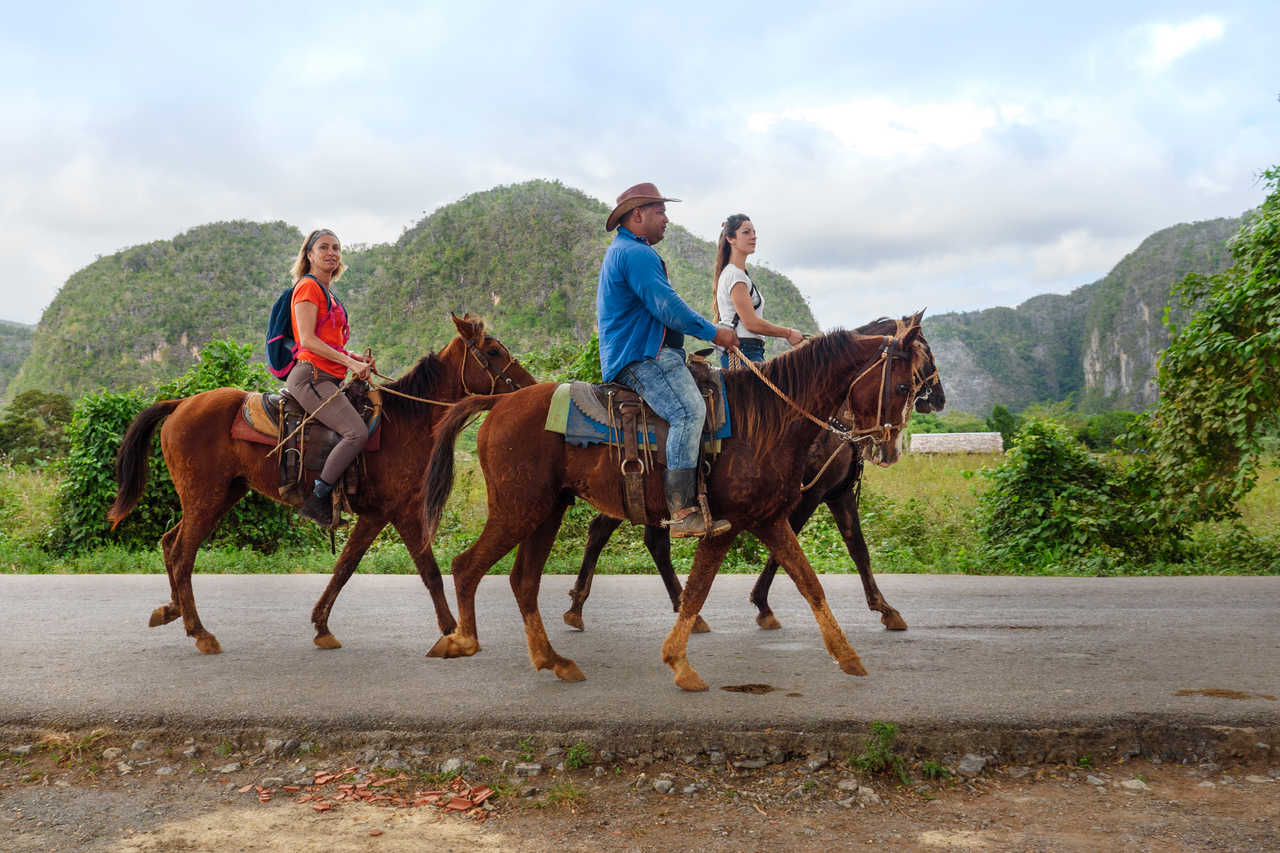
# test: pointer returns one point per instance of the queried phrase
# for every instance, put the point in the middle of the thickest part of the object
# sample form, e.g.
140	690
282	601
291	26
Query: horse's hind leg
706	562
197	523
166	613
362	535
598	533
760	592
781	540
410	528
845	509
526	577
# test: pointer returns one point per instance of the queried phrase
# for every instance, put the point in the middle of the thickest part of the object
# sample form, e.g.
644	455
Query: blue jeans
667	386
752	348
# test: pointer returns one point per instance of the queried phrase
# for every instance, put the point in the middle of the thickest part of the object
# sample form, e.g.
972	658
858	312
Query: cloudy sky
892	155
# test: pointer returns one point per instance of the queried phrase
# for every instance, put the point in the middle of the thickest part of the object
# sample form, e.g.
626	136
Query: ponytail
728	228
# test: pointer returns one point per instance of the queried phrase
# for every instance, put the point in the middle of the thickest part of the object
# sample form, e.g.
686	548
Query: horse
532	477
833	474
211	471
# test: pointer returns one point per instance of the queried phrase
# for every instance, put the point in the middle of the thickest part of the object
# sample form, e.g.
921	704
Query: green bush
88	488
1050	498
32	427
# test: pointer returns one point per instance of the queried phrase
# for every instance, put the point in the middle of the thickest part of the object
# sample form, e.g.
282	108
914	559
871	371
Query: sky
892	156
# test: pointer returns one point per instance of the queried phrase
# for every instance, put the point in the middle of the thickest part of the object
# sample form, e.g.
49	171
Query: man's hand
725	337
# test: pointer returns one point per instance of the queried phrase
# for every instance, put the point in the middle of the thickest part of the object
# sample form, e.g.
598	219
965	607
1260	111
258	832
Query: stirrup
692	523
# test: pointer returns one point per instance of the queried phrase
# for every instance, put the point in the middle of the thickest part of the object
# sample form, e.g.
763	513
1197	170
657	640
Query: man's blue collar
623	231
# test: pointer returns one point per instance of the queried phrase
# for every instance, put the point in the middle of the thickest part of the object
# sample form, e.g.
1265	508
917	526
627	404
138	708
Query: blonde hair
302	263
729	229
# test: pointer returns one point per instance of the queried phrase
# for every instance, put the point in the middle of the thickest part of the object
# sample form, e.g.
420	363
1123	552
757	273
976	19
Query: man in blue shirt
642	323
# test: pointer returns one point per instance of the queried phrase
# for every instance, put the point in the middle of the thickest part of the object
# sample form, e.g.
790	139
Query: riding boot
686	515
318	505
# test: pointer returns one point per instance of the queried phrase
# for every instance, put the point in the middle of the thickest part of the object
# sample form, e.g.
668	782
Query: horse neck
454	356
820	395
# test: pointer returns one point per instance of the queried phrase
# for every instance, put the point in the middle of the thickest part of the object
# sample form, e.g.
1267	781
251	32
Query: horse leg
197	523
468	568
362	535
410	529
598	534
166	613
760	592
526	577
844	507
781	540
706	562
658	541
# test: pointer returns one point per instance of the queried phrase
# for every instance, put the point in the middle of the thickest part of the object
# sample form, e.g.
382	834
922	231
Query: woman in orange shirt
321	330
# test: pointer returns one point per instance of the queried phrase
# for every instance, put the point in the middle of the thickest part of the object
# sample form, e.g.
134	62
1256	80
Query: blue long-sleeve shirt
635	305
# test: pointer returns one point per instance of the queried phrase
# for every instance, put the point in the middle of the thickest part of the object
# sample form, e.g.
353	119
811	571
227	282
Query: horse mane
420	381
760	416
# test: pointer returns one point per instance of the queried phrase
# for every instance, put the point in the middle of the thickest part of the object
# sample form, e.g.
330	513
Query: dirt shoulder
133	792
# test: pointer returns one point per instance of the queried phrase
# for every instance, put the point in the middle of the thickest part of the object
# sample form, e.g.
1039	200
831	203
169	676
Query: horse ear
466	326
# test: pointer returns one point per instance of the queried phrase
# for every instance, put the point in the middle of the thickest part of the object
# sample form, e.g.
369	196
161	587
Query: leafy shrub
878	754
1102	431
97	426
1050	496
565	362
32	427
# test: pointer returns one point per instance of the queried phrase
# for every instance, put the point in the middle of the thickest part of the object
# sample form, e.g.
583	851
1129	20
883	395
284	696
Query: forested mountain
1098	343
15	343
525	257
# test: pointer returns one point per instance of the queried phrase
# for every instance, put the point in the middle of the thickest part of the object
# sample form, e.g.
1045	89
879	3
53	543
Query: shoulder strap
327	295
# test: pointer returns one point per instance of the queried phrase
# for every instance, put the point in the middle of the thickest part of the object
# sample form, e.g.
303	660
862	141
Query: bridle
483	360
890	350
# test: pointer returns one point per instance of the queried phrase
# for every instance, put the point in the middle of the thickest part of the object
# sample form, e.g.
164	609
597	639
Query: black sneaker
318	509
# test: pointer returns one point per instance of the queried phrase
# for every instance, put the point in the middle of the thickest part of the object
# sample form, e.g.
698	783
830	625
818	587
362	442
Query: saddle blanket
566	417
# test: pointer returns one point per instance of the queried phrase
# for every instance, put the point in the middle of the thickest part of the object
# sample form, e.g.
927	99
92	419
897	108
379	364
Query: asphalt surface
980	652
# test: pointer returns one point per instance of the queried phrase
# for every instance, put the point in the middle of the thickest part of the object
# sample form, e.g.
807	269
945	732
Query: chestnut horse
532	476
211	471
832	475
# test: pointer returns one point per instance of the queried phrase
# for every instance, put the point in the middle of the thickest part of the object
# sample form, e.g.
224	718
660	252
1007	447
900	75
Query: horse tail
440	469
132	459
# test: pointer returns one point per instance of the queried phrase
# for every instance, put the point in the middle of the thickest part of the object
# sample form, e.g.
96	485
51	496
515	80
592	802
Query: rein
493	377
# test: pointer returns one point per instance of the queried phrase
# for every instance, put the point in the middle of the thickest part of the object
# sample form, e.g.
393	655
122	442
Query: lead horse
832	475
532	477
211	471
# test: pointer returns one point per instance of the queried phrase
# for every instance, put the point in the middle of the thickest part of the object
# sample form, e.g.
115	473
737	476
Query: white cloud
1167	43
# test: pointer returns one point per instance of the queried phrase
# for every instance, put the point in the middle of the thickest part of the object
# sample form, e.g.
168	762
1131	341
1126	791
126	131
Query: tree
31	428
1220	379
1004	422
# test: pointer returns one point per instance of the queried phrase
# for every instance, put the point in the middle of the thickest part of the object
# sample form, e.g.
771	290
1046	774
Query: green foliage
934	770
1051	496
949	421
1101	432
15	345
1220	379
567	362
577	756
88	488
32	427
878	756
1004	422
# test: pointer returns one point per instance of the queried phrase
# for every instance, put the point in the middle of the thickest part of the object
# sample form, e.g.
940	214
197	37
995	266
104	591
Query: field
919	515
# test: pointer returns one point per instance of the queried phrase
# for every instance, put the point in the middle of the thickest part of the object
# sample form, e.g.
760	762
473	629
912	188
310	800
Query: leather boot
319	509
686	515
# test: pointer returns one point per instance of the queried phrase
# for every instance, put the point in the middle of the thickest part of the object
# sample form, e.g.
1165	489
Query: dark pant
311	387
752	348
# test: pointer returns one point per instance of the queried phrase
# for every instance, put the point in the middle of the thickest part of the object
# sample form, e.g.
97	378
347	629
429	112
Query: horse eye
494	352
904	389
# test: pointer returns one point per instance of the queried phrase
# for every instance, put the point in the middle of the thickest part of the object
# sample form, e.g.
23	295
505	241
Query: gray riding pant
311	387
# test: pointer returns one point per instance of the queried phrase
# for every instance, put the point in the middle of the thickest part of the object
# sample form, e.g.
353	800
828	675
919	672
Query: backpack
282	349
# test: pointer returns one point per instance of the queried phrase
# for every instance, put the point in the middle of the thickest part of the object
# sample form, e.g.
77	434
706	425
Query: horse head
487	366
880	399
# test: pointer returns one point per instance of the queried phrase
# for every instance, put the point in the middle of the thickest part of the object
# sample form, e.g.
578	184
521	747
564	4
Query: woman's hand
362	369
794	337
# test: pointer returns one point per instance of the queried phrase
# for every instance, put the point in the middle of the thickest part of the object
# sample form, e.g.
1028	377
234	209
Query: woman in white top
738	303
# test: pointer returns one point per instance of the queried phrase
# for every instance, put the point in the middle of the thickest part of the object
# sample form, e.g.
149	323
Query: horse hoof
327	641
208	645
449	647
768	622
568	671
574	620
852	665
163	615
700	626
690	680
894	621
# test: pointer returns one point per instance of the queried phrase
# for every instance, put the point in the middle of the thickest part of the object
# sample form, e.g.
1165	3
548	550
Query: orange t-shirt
331	325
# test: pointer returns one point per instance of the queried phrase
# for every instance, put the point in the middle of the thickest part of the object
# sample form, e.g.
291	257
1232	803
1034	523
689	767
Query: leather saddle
641	434
273	418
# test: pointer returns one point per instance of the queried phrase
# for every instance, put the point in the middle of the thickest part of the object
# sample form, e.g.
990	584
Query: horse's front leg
362	535
658	541
781	540
760	592
706	562
598	534
844	508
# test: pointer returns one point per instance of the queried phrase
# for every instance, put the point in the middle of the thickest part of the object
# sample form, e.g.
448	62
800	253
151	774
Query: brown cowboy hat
631	198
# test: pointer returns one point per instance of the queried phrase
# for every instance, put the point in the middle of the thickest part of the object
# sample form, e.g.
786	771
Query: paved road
981	652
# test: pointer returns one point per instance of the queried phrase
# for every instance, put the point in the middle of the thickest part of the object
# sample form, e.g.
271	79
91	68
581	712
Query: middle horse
532	476
833	475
